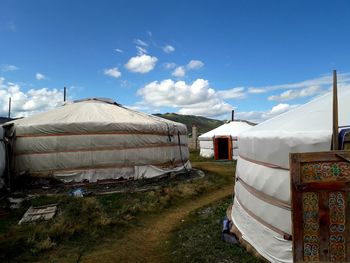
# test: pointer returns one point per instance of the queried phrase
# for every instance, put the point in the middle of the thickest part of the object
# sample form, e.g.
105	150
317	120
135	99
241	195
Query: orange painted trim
216	146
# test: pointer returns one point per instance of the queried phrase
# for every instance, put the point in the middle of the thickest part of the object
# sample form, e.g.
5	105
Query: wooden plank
297	230
340	186
347	226
330	156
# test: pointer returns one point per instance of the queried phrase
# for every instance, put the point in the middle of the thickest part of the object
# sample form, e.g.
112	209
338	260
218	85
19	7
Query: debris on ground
78	192
15	202
39	213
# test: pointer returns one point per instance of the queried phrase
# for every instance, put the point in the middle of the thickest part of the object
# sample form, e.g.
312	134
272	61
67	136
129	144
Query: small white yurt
221	143
261	212
97	139
2	157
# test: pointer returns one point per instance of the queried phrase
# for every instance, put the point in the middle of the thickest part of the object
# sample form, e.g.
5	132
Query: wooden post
64	94
9	115
335	144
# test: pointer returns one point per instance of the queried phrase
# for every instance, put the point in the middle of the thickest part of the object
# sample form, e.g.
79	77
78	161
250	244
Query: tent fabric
231	129
2	157
97	139
263	171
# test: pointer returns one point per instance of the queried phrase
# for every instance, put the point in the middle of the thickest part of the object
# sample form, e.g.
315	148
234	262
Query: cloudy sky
205	58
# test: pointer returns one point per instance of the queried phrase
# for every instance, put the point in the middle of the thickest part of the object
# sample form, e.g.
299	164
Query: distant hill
203	124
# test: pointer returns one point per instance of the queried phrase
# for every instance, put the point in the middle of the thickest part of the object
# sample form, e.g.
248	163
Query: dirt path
145	243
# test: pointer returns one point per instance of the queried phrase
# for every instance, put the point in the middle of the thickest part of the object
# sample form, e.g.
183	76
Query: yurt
261	212
96	139
2	157
221	143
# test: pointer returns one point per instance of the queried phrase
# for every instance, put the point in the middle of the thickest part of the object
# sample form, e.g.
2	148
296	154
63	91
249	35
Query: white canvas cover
232	128
261	209
97	139
2	157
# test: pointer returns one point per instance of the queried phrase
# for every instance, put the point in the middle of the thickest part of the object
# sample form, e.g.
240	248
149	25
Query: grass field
198	238
90	228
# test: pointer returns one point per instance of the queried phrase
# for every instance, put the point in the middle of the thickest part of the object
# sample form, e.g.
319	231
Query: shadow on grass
198	238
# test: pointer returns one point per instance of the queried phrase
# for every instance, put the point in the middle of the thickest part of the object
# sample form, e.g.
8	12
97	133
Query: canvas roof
94	115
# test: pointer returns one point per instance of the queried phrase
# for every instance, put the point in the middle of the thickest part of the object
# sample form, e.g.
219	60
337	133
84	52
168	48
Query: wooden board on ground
39	213
320	189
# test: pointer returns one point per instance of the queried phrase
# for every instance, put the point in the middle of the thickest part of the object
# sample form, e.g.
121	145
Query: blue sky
200	57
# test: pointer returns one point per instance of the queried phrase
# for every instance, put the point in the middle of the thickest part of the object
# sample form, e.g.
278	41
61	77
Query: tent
221	143
97	139
261	212
2	158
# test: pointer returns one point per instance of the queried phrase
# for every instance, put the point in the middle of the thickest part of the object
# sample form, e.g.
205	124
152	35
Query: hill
203	124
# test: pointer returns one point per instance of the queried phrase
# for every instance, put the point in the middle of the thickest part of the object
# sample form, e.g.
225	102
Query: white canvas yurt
261	212
97	139
221	143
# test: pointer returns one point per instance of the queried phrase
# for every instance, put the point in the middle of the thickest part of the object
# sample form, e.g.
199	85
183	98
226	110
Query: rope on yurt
182	160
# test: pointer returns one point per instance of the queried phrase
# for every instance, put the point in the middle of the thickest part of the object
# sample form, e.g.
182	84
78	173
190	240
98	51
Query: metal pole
335	112
9	115
64	94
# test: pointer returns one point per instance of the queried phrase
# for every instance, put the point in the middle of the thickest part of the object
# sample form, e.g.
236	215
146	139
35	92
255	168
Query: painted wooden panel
320	188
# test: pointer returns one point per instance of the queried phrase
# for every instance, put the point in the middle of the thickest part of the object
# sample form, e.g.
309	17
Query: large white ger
221	142
261	210
97	139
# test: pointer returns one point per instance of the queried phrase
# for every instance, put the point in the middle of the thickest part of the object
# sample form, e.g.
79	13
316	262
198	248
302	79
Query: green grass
198	238
195	157
83	223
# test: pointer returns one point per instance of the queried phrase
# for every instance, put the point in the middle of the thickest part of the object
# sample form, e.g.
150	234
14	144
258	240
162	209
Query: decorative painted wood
320	188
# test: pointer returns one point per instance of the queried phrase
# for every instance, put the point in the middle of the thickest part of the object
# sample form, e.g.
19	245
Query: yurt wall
221	143
95	140
261	212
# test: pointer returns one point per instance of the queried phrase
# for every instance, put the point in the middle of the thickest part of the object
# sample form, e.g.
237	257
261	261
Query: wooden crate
320	189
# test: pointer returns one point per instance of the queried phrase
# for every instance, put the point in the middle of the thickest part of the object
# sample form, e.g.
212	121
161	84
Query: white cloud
194	64
179	72
40	76
294	94
256	90
27	103
322	82
197	98
141	50
169	65
7	67
118	50
234	93
113	72
139	42
141	64
168	49
260	116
